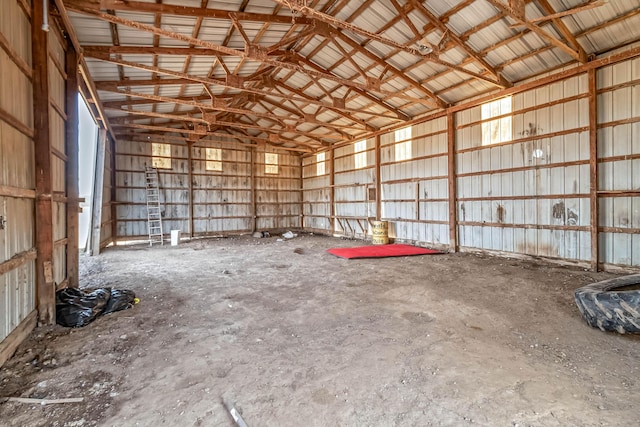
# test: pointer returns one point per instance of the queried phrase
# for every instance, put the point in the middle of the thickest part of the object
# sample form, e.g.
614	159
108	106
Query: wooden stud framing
593	165
45	288
378	180
71	178
451	168
190	185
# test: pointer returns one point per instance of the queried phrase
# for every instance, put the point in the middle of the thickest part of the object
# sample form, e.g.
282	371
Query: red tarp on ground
380	251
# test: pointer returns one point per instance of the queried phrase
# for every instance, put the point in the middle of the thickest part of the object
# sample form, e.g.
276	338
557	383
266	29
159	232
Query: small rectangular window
161	155
214	159
498	130
360	156
320	164
271	163
403	146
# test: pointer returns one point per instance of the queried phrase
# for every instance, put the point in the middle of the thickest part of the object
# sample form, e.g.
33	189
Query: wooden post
254	213
190	178
44	213
378	178
114	193
451	169
71	150
98	186
332	191
593	165
301	193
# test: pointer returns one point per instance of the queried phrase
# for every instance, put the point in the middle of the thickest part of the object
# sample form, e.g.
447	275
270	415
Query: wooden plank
451	169
15	123
45	289
253	190
71	166
593	165
98	188
17	260
113	203
17	192
378	179
15	57
332	191
190	178
9	345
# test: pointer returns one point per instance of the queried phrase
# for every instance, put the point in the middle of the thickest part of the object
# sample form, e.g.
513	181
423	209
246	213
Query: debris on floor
289	235
261	234
76	307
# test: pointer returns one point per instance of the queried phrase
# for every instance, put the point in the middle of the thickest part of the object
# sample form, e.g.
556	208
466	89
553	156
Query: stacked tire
609	309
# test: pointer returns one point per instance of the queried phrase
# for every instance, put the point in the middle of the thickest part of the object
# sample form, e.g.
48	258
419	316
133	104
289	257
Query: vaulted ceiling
305	74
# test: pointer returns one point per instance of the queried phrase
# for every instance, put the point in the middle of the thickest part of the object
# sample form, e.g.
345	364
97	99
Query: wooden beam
10	344
183	78
190	178
577	54
254	211
98	51
561	27
45	287
593	166
497	77
114	193
98	187
378	178
451	172
169	9
71	166
223	49
332	191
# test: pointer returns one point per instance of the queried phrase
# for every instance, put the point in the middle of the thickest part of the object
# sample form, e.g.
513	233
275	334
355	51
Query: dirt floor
293	336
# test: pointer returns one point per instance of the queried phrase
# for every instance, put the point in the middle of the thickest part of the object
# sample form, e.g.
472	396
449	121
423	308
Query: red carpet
380	251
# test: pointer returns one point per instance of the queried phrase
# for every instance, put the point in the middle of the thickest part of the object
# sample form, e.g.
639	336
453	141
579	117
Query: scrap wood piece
235	414
42	401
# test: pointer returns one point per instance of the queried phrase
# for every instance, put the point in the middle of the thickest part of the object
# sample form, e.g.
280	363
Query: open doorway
87	133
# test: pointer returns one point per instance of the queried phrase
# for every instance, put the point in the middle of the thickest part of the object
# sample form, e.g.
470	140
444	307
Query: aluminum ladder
154	215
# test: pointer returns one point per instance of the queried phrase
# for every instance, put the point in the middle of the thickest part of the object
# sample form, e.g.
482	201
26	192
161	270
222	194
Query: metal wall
230	201
353	208
529	195
317	193
414	191
619	163
17	181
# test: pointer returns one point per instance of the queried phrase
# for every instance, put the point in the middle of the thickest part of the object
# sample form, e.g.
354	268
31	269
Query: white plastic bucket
175	237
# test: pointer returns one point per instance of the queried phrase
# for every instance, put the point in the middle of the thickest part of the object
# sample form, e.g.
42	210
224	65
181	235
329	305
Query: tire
611	310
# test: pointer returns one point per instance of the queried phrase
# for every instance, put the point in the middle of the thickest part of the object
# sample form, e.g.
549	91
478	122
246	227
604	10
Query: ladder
154	217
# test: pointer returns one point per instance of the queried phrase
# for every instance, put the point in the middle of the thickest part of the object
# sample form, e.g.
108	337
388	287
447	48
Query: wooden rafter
181	78
238	53
577	54
497	77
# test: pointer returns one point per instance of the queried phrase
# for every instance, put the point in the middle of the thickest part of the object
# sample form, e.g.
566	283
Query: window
498	130
403	148
214	159
271	163
320	164
360	157
161	155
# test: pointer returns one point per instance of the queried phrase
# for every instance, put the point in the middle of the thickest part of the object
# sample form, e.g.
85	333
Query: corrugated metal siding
316	194
278	197
415	191
351	184
619	163
530	195
17	286
222	200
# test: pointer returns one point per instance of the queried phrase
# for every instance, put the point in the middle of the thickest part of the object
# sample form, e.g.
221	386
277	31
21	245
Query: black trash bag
76	308
121	299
